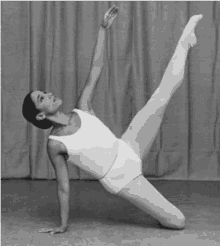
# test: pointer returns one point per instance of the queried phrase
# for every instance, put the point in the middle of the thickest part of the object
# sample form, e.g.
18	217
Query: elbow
63	190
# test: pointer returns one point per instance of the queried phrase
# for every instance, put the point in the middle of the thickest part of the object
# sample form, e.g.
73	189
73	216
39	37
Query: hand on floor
53	230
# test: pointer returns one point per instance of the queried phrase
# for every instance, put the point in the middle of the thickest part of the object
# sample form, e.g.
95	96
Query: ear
41	116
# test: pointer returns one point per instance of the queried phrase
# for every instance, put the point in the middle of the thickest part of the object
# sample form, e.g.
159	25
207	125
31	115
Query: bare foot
188	35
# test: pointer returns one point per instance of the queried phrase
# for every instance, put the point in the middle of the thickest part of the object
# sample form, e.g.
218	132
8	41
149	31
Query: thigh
126	167
143	129
145	196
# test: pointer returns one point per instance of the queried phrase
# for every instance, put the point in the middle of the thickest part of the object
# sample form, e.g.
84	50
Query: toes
196	18
199	16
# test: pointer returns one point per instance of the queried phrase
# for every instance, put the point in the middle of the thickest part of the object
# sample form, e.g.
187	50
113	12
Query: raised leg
145	125
142	194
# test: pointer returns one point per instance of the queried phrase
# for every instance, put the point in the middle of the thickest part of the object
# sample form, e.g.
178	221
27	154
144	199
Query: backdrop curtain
49	46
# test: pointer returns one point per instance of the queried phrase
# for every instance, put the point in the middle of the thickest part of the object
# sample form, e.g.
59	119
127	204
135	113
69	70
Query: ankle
183	44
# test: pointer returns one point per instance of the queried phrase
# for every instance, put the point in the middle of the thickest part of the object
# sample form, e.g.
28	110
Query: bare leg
145	125
143	129
141	193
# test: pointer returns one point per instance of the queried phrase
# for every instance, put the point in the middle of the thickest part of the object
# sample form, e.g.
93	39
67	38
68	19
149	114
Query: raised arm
86	96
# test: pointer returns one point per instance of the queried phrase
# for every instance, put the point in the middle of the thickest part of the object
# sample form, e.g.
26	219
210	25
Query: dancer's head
37	106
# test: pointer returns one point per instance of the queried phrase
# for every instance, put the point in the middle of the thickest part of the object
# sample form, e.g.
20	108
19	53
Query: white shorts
126	167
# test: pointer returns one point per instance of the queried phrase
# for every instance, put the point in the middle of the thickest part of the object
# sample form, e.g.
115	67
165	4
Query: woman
115	162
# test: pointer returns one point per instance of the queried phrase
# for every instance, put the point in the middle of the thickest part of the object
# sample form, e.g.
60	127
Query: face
46	102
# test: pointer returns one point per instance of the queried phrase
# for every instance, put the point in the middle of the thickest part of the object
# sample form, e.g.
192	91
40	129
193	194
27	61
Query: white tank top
93	147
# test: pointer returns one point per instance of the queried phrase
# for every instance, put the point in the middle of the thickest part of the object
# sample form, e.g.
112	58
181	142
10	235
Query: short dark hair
30	112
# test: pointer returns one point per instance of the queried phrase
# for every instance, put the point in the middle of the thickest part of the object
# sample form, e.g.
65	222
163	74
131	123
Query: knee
175	222
178	222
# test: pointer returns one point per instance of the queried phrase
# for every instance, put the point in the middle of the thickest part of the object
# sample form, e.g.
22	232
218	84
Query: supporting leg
145	125
143	195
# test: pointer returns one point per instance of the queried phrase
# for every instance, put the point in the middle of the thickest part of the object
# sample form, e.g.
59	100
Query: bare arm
61	169
85	99
86	96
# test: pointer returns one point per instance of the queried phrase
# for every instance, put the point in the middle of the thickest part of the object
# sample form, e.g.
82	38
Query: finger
44	231
112	18
114	11
113	15
55	232
110	14
41	230
111	9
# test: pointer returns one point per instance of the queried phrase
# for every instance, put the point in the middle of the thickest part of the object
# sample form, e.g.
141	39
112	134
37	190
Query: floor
99	218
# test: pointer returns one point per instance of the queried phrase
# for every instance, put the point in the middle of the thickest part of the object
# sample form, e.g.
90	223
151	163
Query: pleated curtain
49	46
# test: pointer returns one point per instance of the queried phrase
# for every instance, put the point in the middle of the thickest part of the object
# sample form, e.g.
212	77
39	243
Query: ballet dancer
82	139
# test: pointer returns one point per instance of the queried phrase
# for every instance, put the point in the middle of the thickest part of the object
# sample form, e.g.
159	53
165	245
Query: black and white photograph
110	123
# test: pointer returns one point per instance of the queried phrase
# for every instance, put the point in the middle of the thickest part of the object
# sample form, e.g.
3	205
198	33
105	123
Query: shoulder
55	148
53	145
57	157
87	109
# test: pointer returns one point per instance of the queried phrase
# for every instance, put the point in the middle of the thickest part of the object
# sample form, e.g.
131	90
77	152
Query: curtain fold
49	46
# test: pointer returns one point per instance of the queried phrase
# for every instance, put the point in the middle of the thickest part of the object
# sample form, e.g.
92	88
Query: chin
58	104
59	101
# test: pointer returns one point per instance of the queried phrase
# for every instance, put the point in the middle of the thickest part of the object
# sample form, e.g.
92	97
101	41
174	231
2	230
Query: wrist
103	25
102	28
64	227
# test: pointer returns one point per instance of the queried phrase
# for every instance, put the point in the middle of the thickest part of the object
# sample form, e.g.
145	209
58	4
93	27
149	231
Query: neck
59	119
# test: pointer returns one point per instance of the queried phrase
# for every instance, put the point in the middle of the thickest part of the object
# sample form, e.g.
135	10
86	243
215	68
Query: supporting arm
63	190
